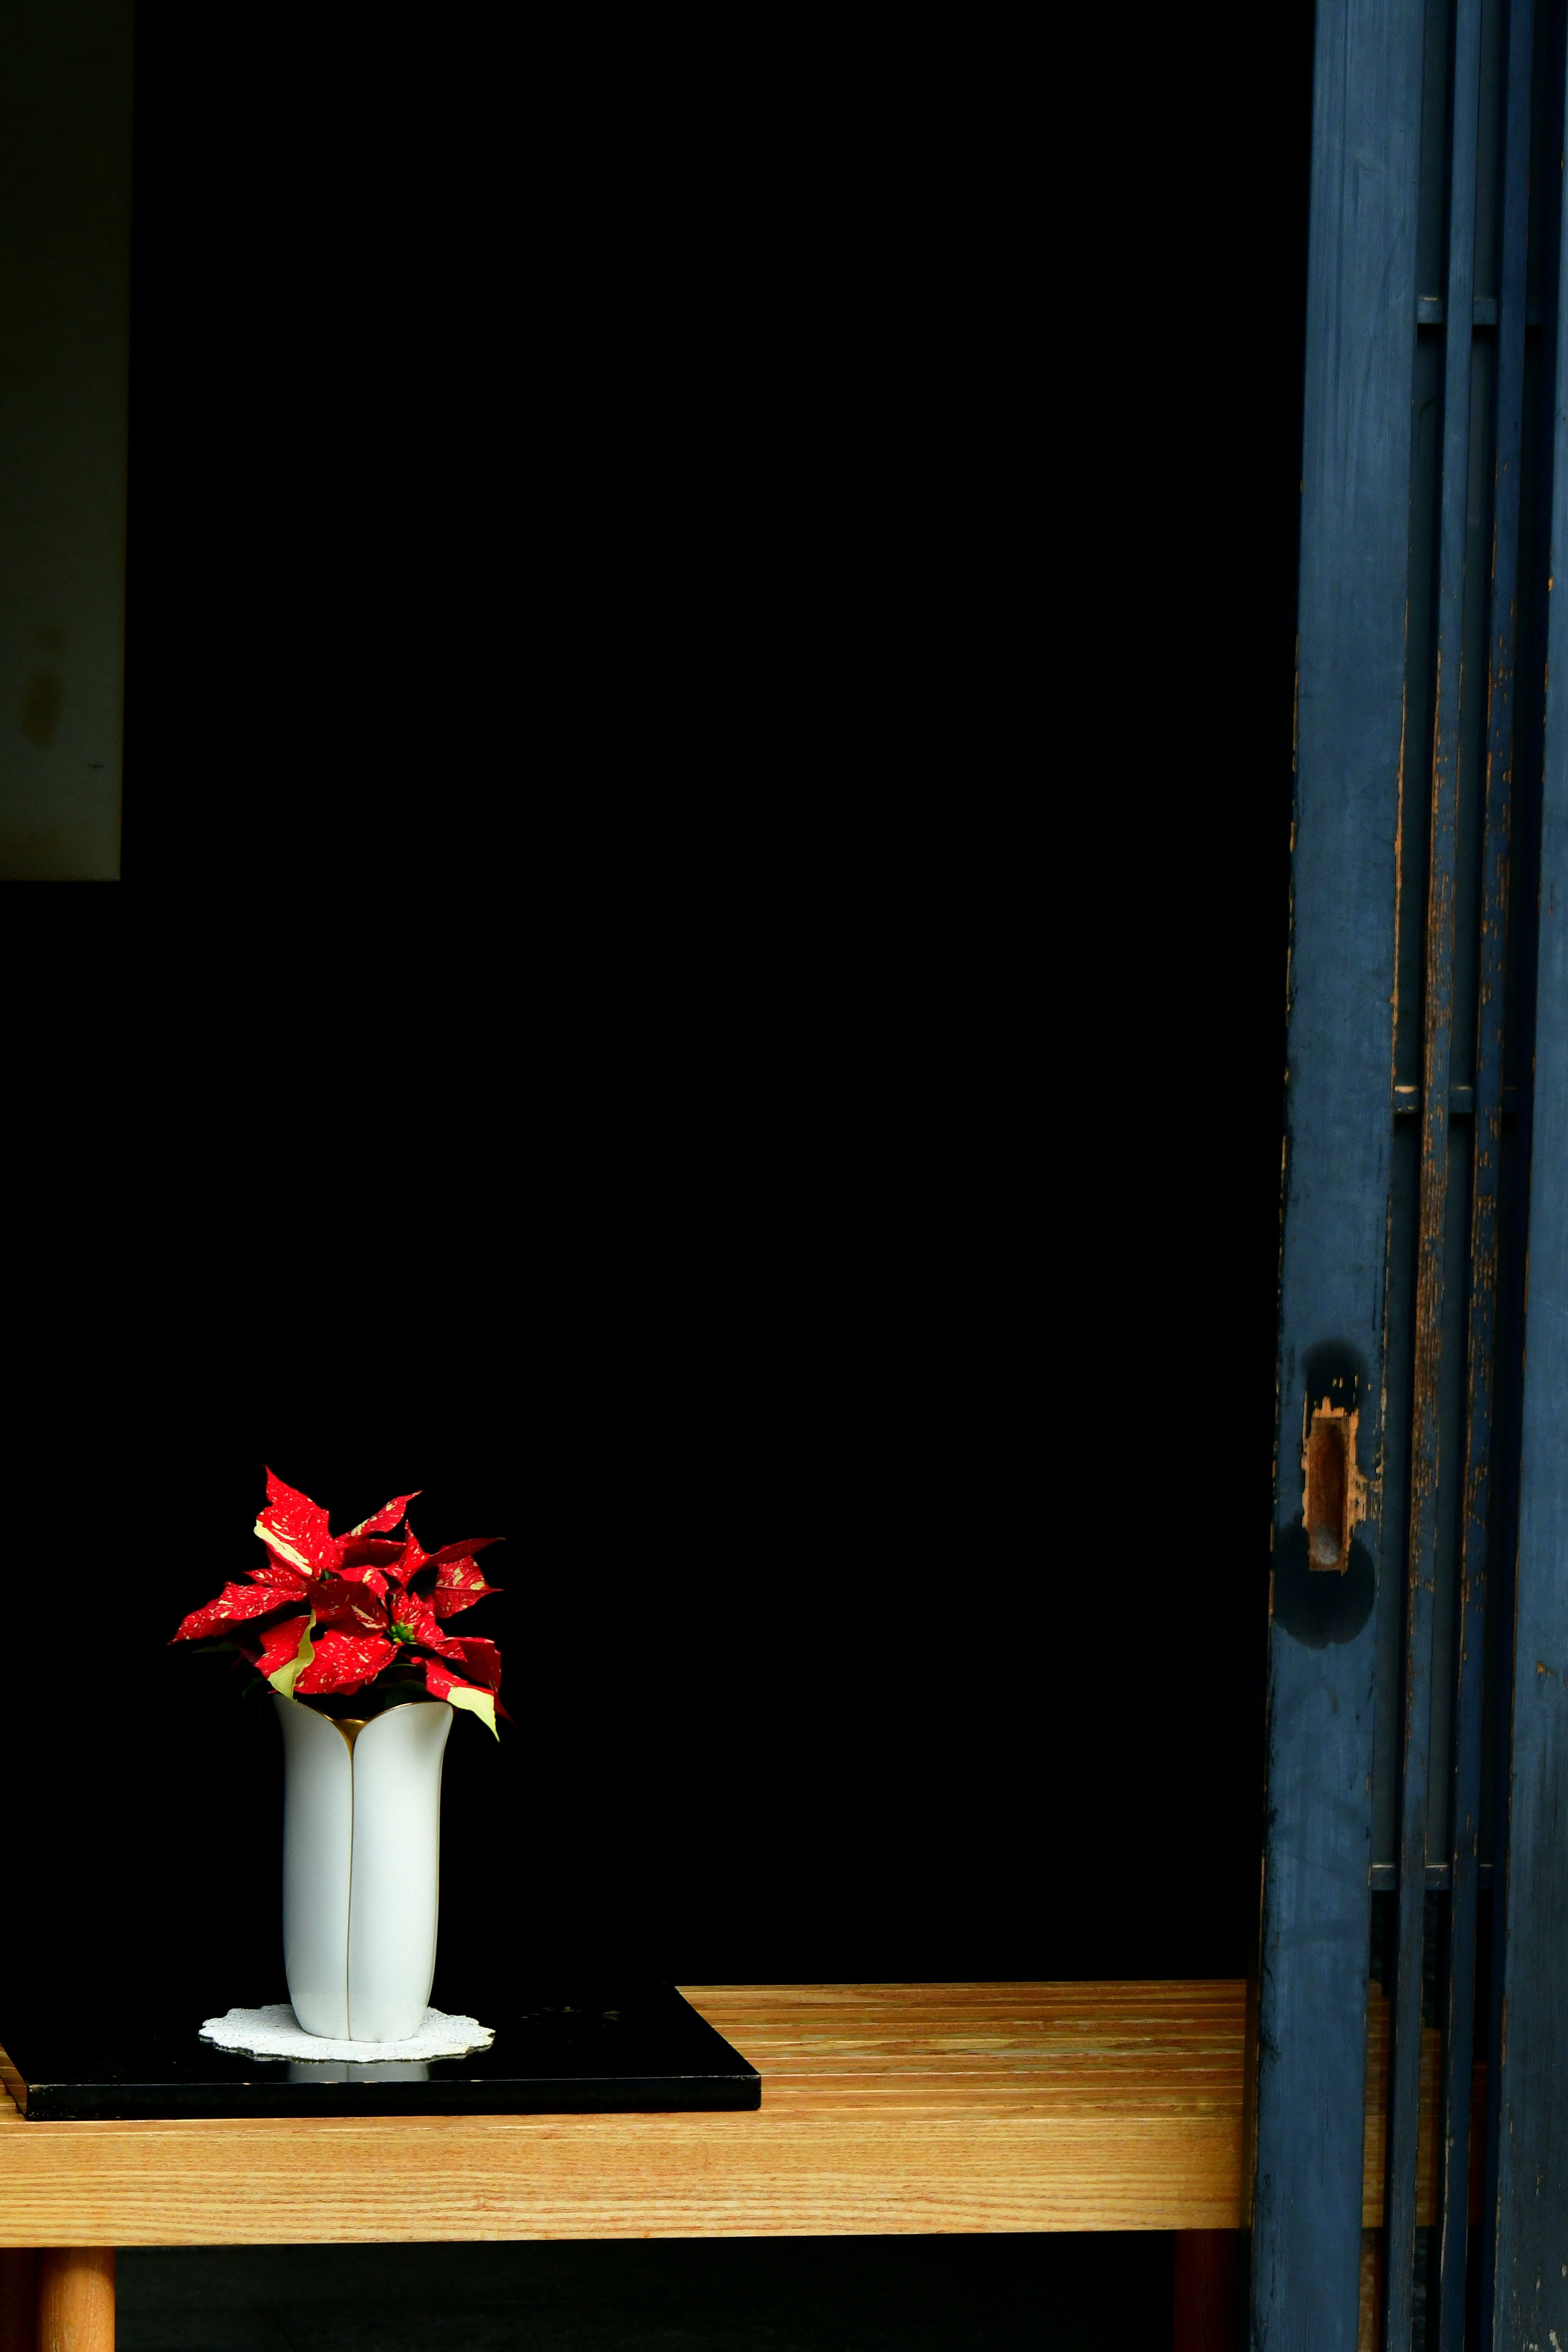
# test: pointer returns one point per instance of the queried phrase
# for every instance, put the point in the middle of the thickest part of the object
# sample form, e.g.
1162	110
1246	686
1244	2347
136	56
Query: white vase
362	1867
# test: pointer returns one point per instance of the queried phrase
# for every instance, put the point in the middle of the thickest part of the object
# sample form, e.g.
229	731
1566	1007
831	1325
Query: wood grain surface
886	2109
76	2299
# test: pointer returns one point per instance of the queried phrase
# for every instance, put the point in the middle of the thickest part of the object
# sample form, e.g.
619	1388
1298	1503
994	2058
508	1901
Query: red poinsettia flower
375	1604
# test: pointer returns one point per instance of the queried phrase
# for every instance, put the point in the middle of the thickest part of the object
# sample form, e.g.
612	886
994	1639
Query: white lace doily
276	2032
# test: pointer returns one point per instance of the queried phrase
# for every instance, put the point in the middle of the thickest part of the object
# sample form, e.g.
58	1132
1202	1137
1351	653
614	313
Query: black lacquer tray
593	2050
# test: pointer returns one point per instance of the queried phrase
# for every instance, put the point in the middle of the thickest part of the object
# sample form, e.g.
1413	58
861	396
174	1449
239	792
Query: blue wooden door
1416	1815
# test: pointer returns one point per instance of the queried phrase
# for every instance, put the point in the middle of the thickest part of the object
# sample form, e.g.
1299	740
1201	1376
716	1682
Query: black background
700	974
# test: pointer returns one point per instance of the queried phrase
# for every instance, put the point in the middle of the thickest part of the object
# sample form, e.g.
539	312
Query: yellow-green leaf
284	1678
478	1702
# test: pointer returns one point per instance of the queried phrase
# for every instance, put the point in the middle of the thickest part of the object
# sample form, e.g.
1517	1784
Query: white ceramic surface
318	1854
394	1885
362	1852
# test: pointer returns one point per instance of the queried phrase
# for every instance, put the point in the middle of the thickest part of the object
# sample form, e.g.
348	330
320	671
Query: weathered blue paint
1405	2074
1459	2018
1392	1301
1530	700
1530	2282
1306	2173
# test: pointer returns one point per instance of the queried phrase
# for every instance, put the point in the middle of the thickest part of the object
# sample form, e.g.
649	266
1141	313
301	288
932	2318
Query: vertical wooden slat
1458	2038
1547	254
1432	1233
1309	2055
76	2299
1531	2282
1370	2291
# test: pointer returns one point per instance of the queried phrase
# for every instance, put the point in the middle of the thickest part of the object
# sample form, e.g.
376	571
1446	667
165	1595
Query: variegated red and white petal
482	1659
450	1604
285	1652
464	1573
234	1605
442	1685
439	1680
443	1647
365	1579
344	1661
387	1517
407	1609
353	1609
409	1560
278	1571
459	1585
363	1552
295	1530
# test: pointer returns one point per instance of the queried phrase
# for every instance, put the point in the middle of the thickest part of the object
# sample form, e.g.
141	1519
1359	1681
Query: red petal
482	1658
234	1604
440	1679
295	1530
344	1661
464	1550
387	1517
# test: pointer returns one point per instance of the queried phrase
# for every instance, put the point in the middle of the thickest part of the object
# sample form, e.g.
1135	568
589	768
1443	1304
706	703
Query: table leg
18	2299
76	2299
1208	2264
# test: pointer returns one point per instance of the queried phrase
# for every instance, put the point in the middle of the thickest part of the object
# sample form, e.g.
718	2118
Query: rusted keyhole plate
1335	1489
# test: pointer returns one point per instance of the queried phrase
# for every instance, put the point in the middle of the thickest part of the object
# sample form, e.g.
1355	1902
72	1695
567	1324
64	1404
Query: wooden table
886	2109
